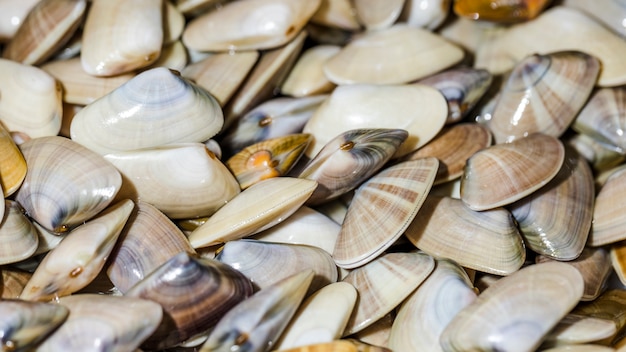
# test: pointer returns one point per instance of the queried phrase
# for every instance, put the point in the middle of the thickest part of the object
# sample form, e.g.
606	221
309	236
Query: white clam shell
12	14
18	236
425	13
376	15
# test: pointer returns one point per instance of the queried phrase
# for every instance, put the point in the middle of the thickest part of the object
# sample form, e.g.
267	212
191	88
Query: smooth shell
376	15
307	76
500	11
603	118
608	222
12	164
18	236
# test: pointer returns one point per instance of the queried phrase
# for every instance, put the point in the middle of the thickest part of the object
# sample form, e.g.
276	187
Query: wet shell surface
396	55
504	173
147	111
66	183
382	209
12	164
608	222
490	240
603	118
18	236
543	94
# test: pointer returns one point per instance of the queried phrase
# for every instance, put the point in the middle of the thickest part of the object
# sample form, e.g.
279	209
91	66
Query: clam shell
322	317
275	261
259	207
395	55
608	209
48	240
194	294
491	241
18	236
516	311
504	12
576	329
504	173
12	282
543	94
12	15
376	15
349	159
25	324
149	239
79	87
256	323
581	348
384	283
382	209
569	195
94	323
116	40
378	333
42	115
307	76
599	156
431	307
610	13
78	259
452	147
173	23
426	14
610	306
346	345
12	164
48	26
336	14
183	180
603	118
370	106
173	56
66	183
221	73
269	158
155	107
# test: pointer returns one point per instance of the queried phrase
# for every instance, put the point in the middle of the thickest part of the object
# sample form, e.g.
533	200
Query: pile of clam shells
313	175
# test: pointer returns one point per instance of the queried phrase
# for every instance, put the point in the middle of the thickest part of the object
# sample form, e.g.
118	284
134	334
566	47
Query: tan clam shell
66	183
608	222
378	333
78	259
426	14
173	56
42	115
149	239
581	348
25	324
395	55
12	282
609	305
569	29
603	118
504	173
79	87
259	207
431	307
48	26
116	40
383	284
491	241
12	164
336	14
173	23
12	15
18	236
307	76
249	25
576	329
183	180
543	94
372	106
382	209
345	345
535	299
155	107
377	15
452	147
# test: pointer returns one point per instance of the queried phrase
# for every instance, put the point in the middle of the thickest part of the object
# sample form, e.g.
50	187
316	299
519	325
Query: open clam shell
534	299
194	294
307	76
543	94
155	107
12	164
608	222
66	183
249	25
504	173
395	55
382	209
491	241
259	207
18	236
116	40
603	118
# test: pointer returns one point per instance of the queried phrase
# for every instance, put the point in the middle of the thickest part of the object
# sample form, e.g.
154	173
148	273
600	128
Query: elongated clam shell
425	13
307	76
376	15
149	239
116	40
42	115
194	294
275	261
603	118
12	282
344	345
504	173
607	213
543	94
516	311
24	323
382	209
502	12
12	15
384	283
66	183
48	26
155	107
491	241
12	164
78	259
256	323
610	13
576	329
431	307
395	55
370	106
95	323
259	207
321	318
18	236
581	348
173	23
349	159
